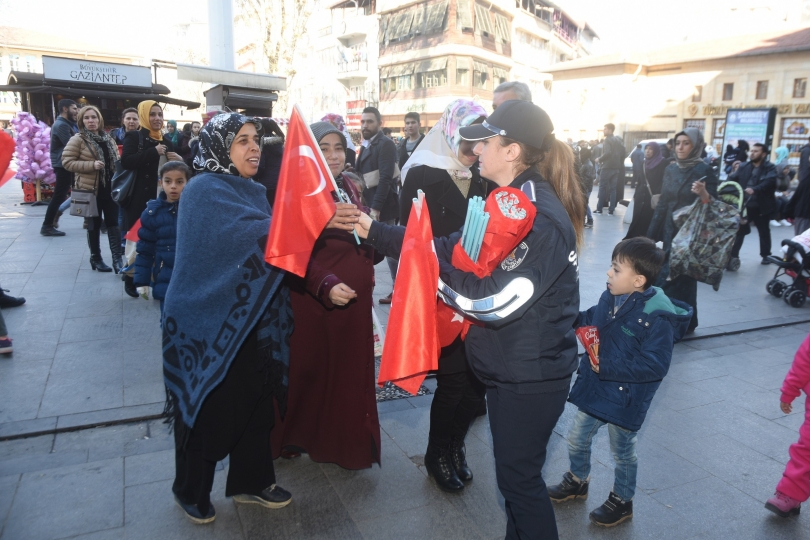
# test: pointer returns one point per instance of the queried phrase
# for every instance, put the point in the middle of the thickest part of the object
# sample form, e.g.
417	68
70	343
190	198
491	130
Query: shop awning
33	83
482	20
462	62
435	17
480	67
433	64
463	14
499	73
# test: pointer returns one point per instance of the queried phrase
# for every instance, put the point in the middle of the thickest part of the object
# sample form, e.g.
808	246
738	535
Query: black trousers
64	179
521	426
763	226
236	420
684	288
108	212
457	398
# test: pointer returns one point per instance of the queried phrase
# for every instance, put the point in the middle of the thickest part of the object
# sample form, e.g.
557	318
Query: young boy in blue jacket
157	236
638	327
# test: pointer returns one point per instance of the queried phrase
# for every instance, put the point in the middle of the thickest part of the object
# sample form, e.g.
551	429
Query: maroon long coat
331	405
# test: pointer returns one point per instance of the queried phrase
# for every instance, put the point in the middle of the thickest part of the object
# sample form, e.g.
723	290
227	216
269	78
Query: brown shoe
387	299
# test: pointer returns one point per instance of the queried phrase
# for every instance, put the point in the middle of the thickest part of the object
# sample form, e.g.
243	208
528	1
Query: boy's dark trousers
521	426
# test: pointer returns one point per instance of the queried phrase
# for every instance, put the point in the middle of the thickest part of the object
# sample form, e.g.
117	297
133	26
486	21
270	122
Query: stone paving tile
22	384
439	520
147	468
8	488
119	533
87	498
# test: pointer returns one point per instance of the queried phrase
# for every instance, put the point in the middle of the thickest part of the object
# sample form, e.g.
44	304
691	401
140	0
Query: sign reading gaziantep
84	71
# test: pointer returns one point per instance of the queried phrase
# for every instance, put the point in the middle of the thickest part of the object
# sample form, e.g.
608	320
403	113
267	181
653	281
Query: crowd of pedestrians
260	364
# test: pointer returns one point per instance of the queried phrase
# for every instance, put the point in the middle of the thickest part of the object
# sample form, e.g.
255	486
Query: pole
220	34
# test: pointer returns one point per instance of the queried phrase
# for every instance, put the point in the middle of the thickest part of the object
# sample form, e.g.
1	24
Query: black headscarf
215	142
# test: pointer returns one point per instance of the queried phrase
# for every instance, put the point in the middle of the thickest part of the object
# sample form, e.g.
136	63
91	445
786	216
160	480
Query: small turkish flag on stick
304	203
412	339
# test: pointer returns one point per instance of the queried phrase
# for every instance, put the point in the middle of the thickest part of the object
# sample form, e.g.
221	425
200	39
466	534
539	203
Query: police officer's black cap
522	121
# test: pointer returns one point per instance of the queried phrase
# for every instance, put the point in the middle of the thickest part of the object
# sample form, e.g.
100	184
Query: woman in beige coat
92	154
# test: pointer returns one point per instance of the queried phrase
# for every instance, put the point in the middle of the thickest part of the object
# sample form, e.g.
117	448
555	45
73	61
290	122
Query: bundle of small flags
474	227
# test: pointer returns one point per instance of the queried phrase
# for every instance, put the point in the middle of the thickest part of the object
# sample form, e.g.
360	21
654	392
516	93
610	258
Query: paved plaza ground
82	454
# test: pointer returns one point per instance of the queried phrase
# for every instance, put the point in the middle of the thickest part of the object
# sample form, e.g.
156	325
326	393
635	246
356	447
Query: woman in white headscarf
445	168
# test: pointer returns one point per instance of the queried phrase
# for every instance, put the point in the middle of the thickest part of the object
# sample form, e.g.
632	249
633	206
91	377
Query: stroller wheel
795	298
777	288
733	264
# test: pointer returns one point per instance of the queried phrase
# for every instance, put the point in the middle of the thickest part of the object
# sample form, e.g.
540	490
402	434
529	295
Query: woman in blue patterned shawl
226	327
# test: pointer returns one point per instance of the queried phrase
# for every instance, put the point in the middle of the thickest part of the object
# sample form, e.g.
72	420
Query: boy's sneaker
783	506
612	512
5	346
193	513
568	489
589	224
272	497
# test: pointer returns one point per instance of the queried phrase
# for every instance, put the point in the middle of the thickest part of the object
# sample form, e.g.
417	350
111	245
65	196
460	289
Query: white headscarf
439	148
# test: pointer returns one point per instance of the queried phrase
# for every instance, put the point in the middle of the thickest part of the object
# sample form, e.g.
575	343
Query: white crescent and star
306	151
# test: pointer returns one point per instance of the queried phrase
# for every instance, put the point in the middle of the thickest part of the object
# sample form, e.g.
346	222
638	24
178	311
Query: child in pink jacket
794	488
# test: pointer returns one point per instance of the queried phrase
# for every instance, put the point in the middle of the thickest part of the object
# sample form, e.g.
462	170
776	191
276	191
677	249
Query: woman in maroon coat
332	406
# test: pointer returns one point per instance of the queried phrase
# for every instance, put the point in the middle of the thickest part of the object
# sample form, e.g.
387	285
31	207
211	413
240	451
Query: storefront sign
104	73
750	125
721	110
416	107
795	132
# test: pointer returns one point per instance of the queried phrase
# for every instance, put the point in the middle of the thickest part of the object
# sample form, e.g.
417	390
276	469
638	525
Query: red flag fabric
132	234
303	204
7	146
412	340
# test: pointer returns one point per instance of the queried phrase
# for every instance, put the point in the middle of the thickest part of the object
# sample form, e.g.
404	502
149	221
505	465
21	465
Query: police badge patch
516	257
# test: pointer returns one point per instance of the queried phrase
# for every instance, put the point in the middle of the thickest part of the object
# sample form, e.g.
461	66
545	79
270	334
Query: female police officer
525	351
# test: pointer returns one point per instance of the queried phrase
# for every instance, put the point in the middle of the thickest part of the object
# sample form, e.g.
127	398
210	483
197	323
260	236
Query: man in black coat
798	208
757	177
611	171
64	127
377	165
804	163
411	140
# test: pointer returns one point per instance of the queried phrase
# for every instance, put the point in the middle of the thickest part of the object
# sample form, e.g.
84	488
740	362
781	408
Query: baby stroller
732	193
798	272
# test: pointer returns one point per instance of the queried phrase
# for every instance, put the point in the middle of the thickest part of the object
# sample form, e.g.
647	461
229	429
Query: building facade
656	94
432	52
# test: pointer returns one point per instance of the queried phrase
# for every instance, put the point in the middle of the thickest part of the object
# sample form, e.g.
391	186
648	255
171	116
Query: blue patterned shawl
221	289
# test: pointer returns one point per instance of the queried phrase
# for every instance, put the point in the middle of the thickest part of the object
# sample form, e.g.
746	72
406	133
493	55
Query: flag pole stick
322	159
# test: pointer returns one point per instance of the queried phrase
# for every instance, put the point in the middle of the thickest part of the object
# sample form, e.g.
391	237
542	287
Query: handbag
83	203
123	181
372	179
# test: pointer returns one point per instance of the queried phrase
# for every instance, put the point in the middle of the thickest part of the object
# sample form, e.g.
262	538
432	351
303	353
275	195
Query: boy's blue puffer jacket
635	350
156	245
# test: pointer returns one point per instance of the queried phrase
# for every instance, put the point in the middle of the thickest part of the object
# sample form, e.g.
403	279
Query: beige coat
78	157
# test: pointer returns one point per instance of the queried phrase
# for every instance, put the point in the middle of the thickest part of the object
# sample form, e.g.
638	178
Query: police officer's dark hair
374	111
414	116
174	166
65	104
610	126
387	132
643	255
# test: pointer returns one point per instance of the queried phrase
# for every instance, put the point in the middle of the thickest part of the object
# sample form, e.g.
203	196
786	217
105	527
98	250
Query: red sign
353	121
356	106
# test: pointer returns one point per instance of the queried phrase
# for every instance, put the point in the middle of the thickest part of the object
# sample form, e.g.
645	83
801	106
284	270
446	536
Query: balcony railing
353	66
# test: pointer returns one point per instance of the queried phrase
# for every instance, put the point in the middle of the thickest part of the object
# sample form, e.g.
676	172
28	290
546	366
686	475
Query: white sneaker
785	223
775	223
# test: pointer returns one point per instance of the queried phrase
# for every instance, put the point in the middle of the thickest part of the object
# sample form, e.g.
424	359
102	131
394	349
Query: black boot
48	230
114	237
569	488
129	287
96	262
458	458
439	466
612	512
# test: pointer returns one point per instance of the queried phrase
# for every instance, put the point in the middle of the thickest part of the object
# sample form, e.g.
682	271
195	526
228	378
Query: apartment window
432	79
463	77
531	41
480	75
799	88
697	96
404	82
728	91
14	62
762	89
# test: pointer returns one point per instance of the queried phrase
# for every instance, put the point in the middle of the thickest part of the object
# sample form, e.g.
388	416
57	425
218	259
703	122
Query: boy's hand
594	367
787	408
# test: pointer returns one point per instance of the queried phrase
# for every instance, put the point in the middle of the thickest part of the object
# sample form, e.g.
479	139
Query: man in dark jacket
798	206
804	163
377	165
62	130
610	171
411	140
757	177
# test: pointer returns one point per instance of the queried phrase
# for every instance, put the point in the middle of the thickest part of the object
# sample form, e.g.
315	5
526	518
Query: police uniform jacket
528	305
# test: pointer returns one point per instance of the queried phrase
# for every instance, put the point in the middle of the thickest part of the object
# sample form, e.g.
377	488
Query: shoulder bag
83	201
123	181
653	198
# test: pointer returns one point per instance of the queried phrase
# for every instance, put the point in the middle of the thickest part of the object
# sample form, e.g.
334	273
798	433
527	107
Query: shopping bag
702	247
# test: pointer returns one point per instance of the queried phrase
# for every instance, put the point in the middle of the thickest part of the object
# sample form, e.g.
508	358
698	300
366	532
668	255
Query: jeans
622	446
608	180
521	426
65	206
64	179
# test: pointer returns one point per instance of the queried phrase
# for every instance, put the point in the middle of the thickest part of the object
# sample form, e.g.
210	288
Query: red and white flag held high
304	203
